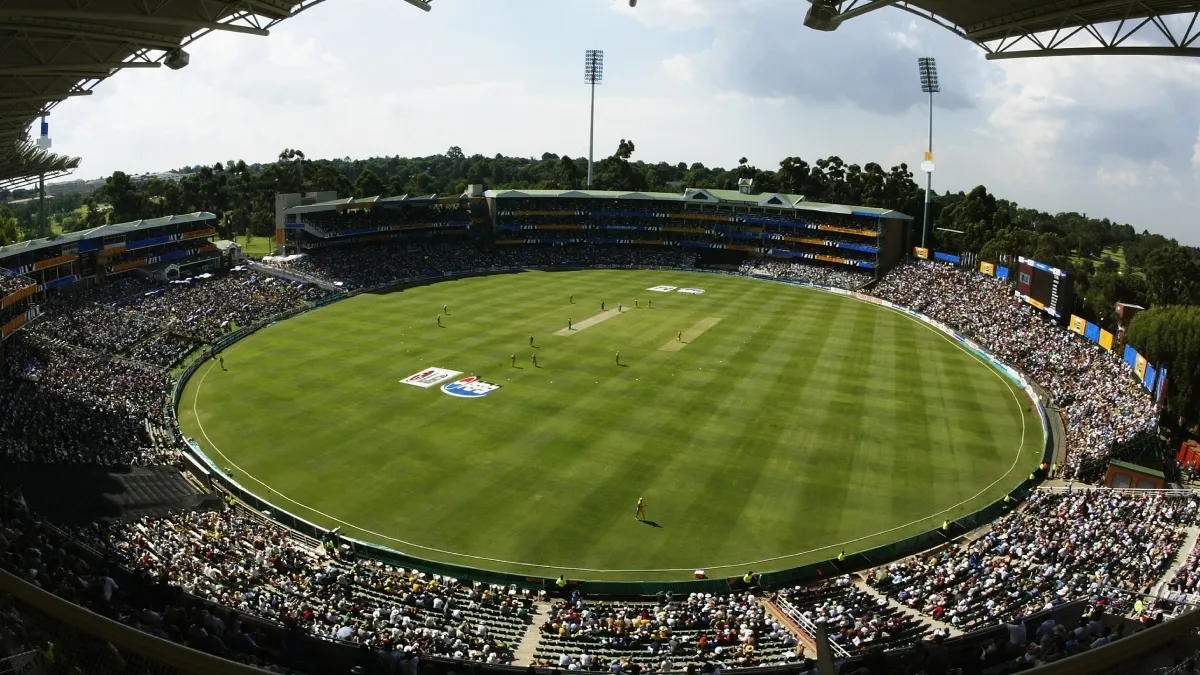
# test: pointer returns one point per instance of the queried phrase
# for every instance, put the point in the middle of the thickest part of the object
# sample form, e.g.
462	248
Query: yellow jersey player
640	514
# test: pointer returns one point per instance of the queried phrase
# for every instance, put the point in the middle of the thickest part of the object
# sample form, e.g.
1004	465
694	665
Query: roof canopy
106	231
1024	28
51	50
773	200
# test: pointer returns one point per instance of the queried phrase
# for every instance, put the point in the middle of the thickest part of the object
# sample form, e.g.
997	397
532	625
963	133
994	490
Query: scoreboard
1047	288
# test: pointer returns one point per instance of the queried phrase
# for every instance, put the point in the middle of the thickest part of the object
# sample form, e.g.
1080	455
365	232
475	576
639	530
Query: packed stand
854	620
732	631
12	283
233	559
164	350
117	317
60	404
839	277
1098	544
1105	405
52	560
367	266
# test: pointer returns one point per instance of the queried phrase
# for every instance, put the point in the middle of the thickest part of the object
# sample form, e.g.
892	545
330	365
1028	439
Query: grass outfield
791	424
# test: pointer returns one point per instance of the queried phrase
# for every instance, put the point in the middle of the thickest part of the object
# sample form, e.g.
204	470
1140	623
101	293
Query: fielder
640	514
514	360
439	320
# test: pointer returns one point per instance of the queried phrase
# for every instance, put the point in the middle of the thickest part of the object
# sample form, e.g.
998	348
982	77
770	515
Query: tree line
1112	262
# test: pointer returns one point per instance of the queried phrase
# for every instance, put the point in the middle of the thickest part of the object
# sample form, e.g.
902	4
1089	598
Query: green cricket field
765	425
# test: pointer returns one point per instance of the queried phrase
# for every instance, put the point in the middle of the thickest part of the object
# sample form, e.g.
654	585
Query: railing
861	560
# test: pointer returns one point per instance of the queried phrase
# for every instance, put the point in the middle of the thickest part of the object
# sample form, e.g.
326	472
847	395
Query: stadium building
723	228
163	248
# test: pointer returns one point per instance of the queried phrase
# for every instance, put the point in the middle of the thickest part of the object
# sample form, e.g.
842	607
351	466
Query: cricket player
640	514
635	303
601	305
530	340
535	365
569	324
221	358
571	300
618	308
679	336
618	358
439	320
514	359
445	309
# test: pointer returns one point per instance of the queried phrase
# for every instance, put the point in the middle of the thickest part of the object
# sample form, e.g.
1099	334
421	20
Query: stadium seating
87	384
733	631
1105	405
854	620
1063	545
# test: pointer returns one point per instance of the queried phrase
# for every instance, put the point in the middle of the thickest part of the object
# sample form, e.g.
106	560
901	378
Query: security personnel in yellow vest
945	526
842	557
561	583
749	578
1054	469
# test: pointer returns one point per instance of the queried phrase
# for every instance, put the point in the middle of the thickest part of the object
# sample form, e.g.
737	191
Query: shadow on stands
82	494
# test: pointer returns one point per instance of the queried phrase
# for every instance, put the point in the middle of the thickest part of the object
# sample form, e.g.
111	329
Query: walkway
528	646
1181	558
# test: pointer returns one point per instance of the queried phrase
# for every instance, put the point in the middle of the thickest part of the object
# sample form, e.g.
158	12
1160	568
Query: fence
852	562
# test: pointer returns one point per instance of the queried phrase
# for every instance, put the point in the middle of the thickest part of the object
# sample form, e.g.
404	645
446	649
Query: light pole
593	73
929	84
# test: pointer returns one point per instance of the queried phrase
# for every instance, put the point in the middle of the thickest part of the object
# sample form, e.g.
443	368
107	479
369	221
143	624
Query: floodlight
593	74
927	67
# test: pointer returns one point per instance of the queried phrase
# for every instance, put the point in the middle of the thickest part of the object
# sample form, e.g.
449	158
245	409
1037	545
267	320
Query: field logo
469	387
430	377
691	291
662	289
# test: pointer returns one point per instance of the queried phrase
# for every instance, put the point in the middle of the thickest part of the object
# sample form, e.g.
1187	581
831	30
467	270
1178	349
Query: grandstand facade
721	227
165	248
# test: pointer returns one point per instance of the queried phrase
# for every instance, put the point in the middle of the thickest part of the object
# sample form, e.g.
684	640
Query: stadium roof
1008	29
51	50
104	231
776	200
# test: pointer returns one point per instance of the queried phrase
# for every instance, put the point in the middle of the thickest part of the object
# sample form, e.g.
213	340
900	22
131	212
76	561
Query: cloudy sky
687	80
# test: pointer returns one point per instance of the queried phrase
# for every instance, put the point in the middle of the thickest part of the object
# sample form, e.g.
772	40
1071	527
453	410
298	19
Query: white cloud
1119	179
680	67
1196	152
1108	136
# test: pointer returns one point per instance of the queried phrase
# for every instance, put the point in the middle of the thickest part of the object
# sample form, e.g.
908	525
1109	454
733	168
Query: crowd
117	318
731	631
839	277
1098	544
65	398
853	619
10	283
65	405
364	267
1104	404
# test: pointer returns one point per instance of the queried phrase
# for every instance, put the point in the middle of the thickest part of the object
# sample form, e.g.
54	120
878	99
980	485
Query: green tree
369	185
1171	336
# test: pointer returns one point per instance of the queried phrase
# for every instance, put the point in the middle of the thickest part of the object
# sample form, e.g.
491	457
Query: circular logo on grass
469	387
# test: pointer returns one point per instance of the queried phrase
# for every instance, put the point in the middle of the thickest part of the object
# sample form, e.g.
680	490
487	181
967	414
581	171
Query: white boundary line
990	367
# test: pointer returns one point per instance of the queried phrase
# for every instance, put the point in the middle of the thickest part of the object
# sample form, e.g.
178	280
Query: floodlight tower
593	73
44	144
927	65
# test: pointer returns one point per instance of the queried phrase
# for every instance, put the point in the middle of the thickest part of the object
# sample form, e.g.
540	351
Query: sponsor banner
662	289
469	387
430	377
691	291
